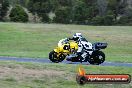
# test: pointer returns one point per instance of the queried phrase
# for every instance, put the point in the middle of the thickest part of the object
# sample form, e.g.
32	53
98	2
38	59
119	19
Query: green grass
65	79
37	40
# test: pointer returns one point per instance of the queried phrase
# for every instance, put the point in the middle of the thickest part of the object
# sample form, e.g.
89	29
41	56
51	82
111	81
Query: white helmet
77	35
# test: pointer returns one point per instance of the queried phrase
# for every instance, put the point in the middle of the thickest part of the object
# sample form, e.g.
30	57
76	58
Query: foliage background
87	12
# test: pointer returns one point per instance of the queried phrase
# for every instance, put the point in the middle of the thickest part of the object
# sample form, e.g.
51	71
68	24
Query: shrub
107	19
45	18
125	20
4	6
98	20
18	14
62	15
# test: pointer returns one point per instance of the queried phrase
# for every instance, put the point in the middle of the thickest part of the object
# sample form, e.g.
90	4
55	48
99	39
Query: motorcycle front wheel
54	58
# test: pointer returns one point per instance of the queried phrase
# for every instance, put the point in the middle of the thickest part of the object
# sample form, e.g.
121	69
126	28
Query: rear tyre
97	58
53	57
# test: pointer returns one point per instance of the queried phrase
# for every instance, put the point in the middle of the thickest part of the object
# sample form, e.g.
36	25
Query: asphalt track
44	60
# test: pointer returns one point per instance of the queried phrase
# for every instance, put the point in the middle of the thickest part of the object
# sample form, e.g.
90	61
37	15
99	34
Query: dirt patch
21	72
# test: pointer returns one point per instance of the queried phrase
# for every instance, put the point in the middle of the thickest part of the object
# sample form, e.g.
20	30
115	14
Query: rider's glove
68	39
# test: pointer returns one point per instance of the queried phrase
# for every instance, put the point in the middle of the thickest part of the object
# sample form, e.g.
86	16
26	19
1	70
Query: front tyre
54	58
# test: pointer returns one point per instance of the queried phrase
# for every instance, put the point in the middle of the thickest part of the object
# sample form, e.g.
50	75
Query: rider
84	46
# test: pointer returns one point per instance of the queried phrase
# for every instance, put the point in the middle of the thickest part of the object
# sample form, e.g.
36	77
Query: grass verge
37	75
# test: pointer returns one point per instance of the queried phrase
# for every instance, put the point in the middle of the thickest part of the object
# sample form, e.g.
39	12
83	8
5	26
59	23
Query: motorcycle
68	50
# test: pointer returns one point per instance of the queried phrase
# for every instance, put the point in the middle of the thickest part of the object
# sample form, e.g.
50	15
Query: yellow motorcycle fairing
60	52
73	45
60	49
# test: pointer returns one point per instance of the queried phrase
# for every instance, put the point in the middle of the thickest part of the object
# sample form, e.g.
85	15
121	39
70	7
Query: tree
18	14
98	12
23	3
114	6
45	18
40	7
102	7
84	11
80	14
98	20
107	19
62	15
65	2
126	19
4	4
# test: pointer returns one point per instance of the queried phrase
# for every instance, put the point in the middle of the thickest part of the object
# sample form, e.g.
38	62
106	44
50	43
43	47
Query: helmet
77	36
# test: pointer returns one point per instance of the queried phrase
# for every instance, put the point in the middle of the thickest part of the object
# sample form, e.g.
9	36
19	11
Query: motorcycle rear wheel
97	58
54	58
